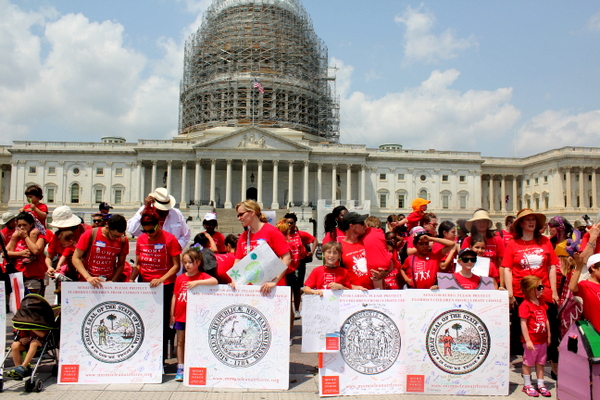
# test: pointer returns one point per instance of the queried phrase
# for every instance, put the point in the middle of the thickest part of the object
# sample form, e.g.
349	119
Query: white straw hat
62	217
162	199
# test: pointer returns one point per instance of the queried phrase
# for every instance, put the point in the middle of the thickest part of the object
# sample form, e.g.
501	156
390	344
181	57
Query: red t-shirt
68	269
219	240
7	233
322	276
536	321
471	283
180	293
423	270
590	294
54	246
413	219
32	268
297	251
340	235
378	255
224	263
41	207
102	258
268	233
437	247
506	236
394	281
155	256
354	259
494	247
530	259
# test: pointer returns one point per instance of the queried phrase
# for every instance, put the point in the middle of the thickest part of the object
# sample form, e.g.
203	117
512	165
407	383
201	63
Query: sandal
530	391
544	392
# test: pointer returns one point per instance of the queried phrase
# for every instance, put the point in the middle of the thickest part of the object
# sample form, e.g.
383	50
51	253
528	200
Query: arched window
423	194
75	193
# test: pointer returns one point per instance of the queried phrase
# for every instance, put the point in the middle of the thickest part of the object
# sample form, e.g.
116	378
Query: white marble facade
222	166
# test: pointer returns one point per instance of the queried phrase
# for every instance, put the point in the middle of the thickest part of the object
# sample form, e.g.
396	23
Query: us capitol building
259	119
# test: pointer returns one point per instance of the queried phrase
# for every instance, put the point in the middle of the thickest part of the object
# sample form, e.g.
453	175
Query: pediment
252	138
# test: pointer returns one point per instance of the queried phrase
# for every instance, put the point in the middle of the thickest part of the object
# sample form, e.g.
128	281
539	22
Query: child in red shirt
330	275
420	270
35	194
194	275
479	245
535	330
588	290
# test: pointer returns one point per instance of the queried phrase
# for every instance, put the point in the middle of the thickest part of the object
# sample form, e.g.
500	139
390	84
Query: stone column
290	183
491	194
333	182
275	203
153	183
228	185
108	173
63	178
349	182
198	181
130	185
169	173
305	185
363	182
259	183
13	181
319	181
514	195
142	181
569	189
213	176
503	193
90	168
244	179
594	192
183	203
581	190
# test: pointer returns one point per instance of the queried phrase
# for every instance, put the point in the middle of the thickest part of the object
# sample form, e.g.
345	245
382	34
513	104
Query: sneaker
530	391
19	373
297	315
544	392
179	374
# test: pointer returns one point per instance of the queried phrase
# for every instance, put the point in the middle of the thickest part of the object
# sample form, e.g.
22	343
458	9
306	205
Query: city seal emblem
458	342
369	342
112	332
239	336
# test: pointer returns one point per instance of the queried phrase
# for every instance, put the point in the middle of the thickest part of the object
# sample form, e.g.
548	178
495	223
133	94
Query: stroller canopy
35	313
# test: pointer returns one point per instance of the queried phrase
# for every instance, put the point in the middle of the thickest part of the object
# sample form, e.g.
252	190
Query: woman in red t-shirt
332	223
530	253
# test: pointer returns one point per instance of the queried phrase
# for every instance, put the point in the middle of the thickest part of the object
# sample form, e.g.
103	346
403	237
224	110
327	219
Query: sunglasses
240	215
540	287
291	223
97	221
150	231
469	259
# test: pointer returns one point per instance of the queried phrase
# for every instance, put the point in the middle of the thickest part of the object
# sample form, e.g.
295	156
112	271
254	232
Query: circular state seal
369	342
112	332
458	342
239	336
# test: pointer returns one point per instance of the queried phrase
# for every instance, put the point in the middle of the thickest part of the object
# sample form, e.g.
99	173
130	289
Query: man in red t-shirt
102	258
354	256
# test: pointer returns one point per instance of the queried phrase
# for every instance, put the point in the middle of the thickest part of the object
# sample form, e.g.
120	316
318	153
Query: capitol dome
271	42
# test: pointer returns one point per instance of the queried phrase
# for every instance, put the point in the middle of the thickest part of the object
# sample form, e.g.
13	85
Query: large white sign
111	335
237	338
459	342
320	325
371	356
259	266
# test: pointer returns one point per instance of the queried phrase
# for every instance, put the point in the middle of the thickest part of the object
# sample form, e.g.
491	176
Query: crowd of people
539	263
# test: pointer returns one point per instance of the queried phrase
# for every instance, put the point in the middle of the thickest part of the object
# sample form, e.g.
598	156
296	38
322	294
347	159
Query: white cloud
420	44
555	129
431	115
593	23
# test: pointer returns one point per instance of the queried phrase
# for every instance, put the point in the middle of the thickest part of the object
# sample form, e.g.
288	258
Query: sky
505	79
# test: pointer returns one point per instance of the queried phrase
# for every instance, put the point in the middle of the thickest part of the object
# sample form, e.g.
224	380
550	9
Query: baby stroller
36	314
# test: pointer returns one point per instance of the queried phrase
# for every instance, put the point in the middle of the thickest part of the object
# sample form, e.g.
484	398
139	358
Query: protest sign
320	325
112	334
259	266
237	338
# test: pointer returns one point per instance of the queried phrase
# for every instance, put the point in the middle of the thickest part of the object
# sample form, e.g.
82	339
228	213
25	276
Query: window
423	178
546	179
537	203
462	178
32	170
589	178
118	196
577	178
382	177
528	202
578	203
75	193
51	170
98	196
118	171
76	171
383	201
50	192
423	194
546	202
444	178
527	182
536	181
401	177
401	201
591	202
99	171
462	199
445	201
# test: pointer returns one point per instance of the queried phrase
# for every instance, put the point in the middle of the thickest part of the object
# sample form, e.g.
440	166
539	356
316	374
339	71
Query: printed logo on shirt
458	342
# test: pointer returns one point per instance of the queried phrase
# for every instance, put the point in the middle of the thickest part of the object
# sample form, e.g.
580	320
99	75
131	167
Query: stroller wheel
39	386
29	386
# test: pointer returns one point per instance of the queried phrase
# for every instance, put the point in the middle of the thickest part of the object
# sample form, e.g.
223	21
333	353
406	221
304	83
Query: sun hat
62	217
418	202
541	218
593	260
7	217
479	215
210	216
162	199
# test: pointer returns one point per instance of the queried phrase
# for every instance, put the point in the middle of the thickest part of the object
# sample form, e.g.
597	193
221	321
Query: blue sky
501	78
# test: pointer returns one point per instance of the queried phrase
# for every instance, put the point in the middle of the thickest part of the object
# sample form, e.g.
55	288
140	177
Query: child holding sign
330	275
194	275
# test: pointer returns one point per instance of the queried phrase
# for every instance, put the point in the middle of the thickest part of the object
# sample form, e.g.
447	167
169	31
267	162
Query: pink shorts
534	357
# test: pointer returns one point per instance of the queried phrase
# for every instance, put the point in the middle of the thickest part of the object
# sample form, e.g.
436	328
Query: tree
111	318
457	327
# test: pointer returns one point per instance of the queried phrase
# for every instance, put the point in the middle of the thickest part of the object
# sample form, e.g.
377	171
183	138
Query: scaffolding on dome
269	41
